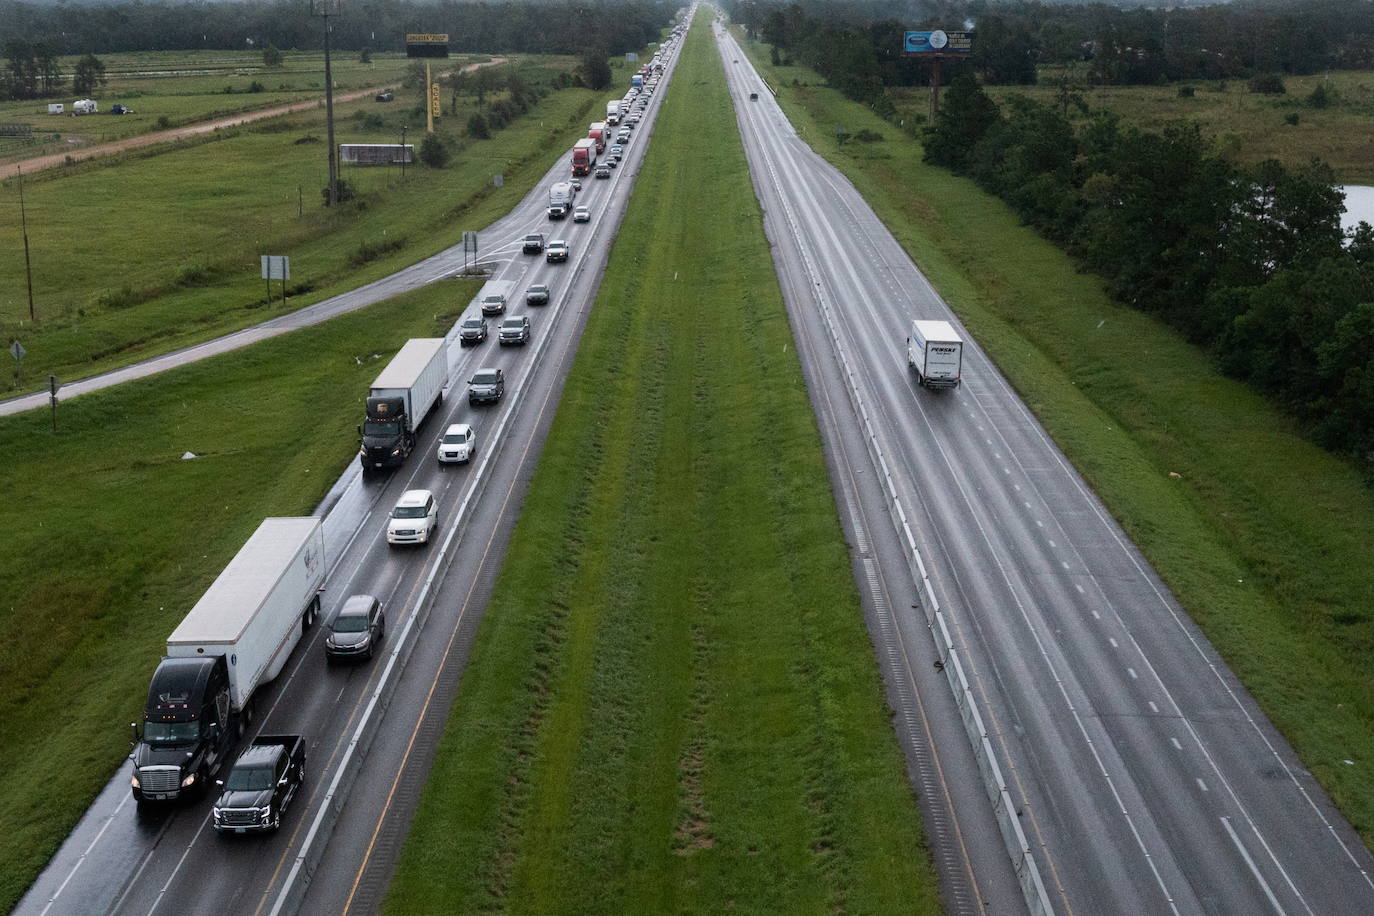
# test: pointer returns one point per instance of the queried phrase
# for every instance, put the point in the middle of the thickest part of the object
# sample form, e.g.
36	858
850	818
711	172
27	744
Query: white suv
414	520
459	443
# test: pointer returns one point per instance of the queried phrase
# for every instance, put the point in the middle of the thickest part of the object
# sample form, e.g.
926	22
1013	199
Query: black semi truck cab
387	436
188	730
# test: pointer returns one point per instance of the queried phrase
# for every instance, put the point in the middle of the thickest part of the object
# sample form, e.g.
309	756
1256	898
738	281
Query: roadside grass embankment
110	537
1263	537
672	704
161	250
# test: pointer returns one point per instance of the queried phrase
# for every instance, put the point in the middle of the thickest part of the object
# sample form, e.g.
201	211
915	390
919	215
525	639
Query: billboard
426	44
376	153
939	42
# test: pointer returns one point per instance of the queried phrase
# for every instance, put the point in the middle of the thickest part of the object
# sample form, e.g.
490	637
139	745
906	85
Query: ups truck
399	400
236	638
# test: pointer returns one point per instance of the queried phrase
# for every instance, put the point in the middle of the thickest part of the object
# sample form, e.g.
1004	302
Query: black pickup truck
261	785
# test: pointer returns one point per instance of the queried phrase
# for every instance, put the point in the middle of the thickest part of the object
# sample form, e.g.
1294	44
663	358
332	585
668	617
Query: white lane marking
1039	524
1245	854
1153	707
1113	642
1201	785
72	874
1131	672
1052	543
1174	742
1096	616
1080	589
180	862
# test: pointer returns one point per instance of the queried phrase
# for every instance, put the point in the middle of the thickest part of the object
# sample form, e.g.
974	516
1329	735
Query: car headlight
133	781
188	781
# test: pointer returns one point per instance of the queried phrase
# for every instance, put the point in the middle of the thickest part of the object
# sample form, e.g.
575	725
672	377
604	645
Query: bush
1268	84
345	192
372	122
271	57
1321	97
255	86
1186	92
1291	119
868	136
164	122
371	251
478	129
365	56
433	151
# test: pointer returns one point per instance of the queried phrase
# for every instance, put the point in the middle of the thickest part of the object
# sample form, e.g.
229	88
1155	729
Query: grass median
111	537
1262	536
672	703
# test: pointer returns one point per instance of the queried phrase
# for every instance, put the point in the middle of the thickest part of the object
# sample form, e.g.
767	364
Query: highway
1140	773
372	728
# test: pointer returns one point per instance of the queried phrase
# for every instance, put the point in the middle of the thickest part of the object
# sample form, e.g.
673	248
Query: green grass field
111	537
1263	537
161	250
672	704
171	88
1248	127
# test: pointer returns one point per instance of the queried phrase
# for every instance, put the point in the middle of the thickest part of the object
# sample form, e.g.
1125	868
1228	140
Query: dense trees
88	75
1250	263
134	25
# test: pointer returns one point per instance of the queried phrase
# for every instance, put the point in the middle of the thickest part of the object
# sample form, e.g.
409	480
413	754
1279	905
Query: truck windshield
171	733
249	779
382	428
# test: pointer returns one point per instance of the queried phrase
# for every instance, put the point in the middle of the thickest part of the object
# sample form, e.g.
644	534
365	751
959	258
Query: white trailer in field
84	107
936	352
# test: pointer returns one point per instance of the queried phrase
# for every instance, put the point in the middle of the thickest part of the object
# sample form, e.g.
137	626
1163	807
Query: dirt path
52	160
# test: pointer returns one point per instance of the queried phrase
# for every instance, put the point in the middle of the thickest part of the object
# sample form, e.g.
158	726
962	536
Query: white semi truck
236	638
560	199
400	399
936	352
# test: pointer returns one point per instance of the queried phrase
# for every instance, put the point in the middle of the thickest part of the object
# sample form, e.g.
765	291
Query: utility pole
24	221
325	8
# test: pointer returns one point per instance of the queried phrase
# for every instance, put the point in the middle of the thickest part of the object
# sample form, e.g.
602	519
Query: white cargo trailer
416	374
400	399
255	612
935	350
84	106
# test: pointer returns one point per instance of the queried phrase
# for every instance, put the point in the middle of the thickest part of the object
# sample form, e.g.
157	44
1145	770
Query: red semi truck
583	156
597	132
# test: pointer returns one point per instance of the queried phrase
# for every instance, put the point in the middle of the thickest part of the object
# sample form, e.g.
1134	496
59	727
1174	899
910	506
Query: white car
582	214
414	520
458	444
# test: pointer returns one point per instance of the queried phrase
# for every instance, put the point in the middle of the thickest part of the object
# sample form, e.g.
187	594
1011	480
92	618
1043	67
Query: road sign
17	351
276	267
498	180
53	386
470	242
436	105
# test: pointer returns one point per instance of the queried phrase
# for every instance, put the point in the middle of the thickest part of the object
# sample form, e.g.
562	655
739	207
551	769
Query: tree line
522	27
1248	262
857	46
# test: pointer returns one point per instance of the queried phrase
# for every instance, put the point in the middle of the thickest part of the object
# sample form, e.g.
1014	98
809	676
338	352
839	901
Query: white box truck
236	638
936	352
400	399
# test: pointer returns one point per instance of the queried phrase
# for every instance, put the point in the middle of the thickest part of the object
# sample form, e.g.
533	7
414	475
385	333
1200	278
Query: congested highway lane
1144	777
371	727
